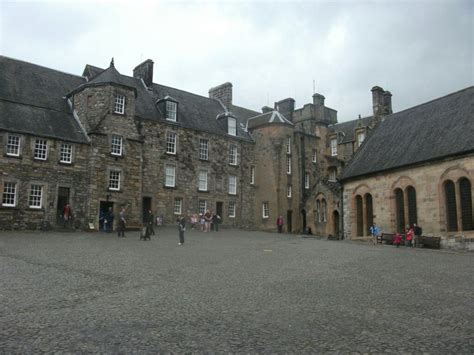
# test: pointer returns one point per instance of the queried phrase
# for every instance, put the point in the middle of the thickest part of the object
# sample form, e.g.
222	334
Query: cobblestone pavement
230	291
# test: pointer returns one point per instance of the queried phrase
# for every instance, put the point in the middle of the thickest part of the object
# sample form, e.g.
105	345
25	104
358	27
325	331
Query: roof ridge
187	92
41	66
33	105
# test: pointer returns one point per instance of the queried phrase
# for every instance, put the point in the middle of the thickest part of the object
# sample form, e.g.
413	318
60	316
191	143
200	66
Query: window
306	180
332	174
35	199
288	165
116	145
323	210
202	206
114	180
232	209
9	194
13	145
233	154
360	138
171	109
119	104
252	175
412	212
466	204
232	184
314	160
333	147
170	175
359	216
265	210
231	126
318	211
202	180
288	145
203	149
369	211
288	191
41	149
65	154
399	210
178	203
171	143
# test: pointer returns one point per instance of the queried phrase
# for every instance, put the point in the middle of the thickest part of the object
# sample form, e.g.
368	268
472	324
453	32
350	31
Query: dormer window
360	138
334	147
119	104
171	110
231	126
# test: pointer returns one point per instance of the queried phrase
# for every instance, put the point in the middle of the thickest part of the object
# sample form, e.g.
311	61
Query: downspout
342	212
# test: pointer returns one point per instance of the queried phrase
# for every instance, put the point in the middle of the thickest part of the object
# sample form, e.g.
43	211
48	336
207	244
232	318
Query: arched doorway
335	219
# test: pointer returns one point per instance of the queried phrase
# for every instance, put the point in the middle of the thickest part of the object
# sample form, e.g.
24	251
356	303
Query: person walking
208	219
216	219
181	228
409	237
109	220
122	223
150	219
375	231
417	231
67	215
280	223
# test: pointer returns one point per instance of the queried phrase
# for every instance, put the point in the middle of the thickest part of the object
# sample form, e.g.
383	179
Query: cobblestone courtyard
230	291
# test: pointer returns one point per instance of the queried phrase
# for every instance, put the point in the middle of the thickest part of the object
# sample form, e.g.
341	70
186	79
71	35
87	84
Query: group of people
412	235
207	221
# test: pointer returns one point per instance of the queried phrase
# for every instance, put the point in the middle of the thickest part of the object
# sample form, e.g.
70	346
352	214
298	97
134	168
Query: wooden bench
388	238
431	242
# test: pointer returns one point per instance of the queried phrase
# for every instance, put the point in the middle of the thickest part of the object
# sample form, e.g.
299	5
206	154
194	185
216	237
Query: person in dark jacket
150	219
216	219
418	231
109	220
122	223
280	223
181	228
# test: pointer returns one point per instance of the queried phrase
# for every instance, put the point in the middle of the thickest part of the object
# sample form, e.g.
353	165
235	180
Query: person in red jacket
409	237
280	224
397	239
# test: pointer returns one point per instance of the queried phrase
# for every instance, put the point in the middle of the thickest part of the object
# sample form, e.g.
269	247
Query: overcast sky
269	50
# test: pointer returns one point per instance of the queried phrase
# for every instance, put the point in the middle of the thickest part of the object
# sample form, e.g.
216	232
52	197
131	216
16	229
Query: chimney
223	93
387	99
266	109
318	100
144	71
378	101
286	108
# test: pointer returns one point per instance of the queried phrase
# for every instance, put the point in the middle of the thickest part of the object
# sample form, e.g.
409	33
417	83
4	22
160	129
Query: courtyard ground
230	291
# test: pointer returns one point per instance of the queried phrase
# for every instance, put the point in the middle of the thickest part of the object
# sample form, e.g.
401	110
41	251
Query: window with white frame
65	154
323	207
178	205
119	106
232	154
202	206
116	145
114	180
265	210
288	191
288	165
231	126
232	184
252	175
13	145
171	143
203	149
315	156
334	147
232	209
288	145
360	138
332	174
171	109
35	200
9	194
306	180
170	175
202	180
41	149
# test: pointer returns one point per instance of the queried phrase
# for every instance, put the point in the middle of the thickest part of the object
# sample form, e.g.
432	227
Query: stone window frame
35	199
9	144
6	190
202	206
314	158
231	208
265	210
232	190
116	145
288	165
231	126
318	211
64	154
203	149
119	104
233	154
252	175
178	206
321	208
40	149
332	174
333	146
171	142
168	183
171	109
289	191
115	179
306	180
360	134
203	184
363	202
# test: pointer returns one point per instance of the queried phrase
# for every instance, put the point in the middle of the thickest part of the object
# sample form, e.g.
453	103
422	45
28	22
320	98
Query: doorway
288	221
219	208
335	218
103	209
146	206
63	199
303	215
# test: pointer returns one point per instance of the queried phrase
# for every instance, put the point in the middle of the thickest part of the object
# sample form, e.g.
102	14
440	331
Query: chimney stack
286	108
381	104
387	99
223	93
266	109
318	100
144	71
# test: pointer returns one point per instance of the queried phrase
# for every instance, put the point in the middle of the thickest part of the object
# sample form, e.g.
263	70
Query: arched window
451	214
369	209
411	197
400	210
359	216
466	204
324	207
318	211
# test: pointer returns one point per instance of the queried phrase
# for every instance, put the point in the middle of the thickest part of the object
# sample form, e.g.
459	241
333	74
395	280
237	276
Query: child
397	239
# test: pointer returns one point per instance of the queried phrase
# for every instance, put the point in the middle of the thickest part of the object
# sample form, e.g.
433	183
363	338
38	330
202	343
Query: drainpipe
342	212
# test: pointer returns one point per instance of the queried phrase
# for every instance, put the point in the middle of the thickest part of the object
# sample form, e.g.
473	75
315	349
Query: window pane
171	111
170	175
231	209
412	213
171	143
13	145
359	216
466	204
114	180
116	148
119	104
451	214
369	209
9	194
203	149
65	155
232	126
400	210
41	148
178	205
203	180
36	196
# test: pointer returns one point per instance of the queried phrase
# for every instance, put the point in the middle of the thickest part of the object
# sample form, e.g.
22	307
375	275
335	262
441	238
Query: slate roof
434	130
347	129
91	71
268	118
32	101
